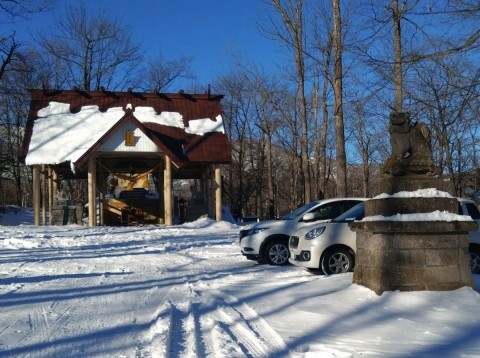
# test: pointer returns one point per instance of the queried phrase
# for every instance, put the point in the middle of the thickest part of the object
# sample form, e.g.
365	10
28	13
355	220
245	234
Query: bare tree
397	15
12	10
92	50
161	73
23	8
15	75
8	47
446	95
411	31
321	54
292	34
338	104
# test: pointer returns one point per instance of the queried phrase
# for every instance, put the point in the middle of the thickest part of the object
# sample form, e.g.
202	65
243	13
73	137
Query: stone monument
412	238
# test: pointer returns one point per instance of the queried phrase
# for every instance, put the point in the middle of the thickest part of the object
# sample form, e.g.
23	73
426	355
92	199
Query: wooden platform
132	211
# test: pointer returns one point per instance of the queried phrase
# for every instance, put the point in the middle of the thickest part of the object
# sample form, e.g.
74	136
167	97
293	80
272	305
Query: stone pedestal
412	255
395	184
64	213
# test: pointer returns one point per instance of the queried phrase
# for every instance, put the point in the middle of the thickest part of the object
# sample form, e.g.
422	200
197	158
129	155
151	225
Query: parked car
268	240
330	248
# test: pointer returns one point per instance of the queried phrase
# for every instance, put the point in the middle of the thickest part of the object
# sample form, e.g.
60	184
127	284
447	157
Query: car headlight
256	230
312	234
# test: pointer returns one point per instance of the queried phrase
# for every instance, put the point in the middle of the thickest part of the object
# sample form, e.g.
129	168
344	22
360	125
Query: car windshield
300	211
355	213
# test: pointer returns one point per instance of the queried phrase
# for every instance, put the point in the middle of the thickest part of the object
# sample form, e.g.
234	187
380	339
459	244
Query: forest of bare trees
312	125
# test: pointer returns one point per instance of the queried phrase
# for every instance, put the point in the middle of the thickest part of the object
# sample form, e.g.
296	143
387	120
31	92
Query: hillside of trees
313	125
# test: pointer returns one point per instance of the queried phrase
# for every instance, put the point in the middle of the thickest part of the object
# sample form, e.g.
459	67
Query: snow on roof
50	143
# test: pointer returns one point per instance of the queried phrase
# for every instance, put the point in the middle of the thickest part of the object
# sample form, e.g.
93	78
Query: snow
436	215
186	291
421	193
90	124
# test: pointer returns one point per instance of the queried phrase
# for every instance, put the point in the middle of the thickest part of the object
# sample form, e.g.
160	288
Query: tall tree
341	157
445	92
15	76
291	13
397	16
10	11
92	50
408	32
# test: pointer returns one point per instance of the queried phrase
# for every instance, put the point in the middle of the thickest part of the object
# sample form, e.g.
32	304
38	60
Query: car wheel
475	261
276	253
337	260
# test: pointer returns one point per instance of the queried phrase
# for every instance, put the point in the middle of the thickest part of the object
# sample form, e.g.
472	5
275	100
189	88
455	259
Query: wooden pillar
43	177
36	194
102	189
50	193
218	193
92	202
54	185
161	192
167	191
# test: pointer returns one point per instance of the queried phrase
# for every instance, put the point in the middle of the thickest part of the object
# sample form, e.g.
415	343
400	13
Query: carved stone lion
411	147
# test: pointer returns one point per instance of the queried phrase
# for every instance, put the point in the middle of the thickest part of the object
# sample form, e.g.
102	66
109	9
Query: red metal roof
185	148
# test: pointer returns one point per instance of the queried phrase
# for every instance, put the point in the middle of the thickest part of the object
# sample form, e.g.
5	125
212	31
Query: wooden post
50	194
102	189
55	185
218	193
92	202
167	191
36	194
161	192
44	195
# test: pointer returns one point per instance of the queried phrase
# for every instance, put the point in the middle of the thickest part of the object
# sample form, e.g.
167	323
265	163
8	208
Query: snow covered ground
186	291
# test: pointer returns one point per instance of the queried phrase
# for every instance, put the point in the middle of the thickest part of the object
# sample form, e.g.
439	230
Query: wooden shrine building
129	147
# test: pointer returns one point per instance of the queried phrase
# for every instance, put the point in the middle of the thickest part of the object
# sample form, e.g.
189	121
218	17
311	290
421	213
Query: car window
472	210
329	211
350	204
299	211
355	213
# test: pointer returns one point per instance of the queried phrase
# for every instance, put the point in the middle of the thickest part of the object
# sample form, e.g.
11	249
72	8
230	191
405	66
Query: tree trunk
338	102
294	25
397	57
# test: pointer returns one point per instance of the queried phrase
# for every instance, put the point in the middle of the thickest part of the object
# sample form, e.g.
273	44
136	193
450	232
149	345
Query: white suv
268	240
330	247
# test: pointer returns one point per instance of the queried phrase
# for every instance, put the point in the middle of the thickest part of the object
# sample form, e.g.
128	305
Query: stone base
412	255
394	184
392	206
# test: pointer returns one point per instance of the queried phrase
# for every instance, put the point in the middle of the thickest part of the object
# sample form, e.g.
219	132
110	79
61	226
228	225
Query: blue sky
207	30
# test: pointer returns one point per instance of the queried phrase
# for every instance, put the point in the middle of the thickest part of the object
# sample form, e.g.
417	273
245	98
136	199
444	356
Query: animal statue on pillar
411	147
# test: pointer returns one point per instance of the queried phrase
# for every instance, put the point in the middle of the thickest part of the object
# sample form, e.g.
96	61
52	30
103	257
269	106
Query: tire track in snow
213	325
174	333
237	329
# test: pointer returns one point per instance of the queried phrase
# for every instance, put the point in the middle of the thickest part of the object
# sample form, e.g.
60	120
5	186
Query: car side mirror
308	217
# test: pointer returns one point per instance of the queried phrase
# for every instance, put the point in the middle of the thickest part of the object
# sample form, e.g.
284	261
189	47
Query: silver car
268	240
327	248
330	247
